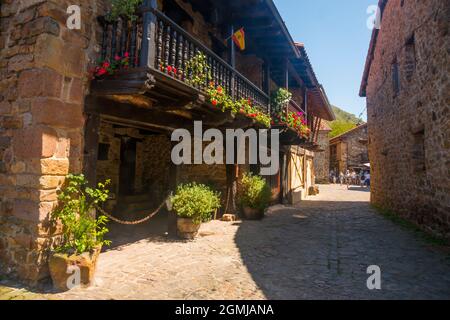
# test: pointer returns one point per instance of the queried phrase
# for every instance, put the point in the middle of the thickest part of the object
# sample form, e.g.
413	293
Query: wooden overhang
318	103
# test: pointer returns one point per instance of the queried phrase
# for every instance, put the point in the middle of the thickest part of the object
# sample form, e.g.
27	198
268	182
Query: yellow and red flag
239	39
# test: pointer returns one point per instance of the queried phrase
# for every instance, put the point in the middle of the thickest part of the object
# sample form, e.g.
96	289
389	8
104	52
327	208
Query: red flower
219	89
174	70
214	102
169	69
106	64
126	55
117	58
101	71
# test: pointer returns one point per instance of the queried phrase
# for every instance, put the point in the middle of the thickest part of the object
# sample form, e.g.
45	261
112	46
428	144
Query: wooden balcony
156	46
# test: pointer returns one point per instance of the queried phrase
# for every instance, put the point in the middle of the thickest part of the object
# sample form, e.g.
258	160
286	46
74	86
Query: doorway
127	171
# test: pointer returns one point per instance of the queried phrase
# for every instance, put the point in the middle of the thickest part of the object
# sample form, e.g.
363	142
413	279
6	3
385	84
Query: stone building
322	155
55	119
406	82
349	150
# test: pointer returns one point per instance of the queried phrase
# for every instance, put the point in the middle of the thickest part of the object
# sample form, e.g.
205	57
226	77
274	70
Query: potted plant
73	262
193	203
255	196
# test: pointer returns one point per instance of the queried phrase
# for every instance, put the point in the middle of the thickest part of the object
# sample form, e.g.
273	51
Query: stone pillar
43	73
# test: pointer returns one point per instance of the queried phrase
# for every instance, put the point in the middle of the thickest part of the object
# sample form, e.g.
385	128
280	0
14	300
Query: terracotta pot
68	272
187	229
252	214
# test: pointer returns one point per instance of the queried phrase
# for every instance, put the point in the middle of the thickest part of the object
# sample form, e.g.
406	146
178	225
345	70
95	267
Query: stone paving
318	250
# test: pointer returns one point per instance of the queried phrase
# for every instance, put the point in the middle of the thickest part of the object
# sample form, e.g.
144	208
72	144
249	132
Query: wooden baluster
133	44
167	46
179	64
210	64
216	82
185	57
221	76
173	52
159	45
123	36
105	26
113	39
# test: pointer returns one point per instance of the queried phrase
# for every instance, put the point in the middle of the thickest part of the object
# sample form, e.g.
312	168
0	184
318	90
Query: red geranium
101	71
214	102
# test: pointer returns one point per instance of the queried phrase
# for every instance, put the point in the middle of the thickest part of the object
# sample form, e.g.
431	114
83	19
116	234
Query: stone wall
322	159
409	119
352	150
42	87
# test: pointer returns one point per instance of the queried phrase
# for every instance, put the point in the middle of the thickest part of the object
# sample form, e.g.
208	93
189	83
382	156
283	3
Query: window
410	57
395	77
418	152
103	151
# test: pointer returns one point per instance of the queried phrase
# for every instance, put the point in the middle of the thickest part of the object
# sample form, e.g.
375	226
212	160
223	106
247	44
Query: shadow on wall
310	253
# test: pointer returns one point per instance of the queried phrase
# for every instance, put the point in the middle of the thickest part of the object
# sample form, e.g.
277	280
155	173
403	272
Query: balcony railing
154	40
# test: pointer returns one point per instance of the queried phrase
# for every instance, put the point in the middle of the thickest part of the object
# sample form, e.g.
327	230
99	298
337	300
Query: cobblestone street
319	250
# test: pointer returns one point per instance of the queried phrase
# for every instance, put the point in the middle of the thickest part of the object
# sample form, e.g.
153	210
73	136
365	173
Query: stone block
39	83
54	166
5	107
32	211
20	62
40	26
65	58
35	142
56	113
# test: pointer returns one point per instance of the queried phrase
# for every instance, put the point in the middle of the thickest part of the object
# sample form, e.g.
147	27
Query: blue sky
336	38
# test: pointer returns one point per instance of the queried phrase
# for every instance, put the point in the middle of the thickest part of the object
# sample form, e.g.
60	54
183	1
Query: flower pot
187	229
68	272
252	214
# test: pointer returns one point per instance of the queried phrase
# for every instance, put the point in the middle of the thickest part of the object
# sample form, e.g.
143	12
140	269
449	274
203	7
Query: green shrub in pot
82	231
193	203
255	195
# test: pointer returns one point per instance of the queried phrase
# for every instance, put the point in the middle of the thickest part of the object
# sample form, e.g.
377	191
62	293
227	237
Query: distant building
322	155
349	150
406	82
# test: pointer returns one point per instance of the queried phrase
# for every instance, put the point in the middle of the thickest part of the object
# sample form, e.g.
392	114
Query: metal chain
151	215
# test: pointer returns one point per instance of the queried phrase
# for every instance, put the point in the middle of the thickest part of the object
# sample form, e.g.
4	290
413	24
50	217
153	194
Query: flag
239	39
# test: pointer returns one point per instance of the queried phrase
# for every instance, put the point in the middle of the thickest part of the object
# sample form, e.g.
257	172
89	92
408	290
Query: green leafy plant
198	71
125	8
255	192
195	201
279	100
82	231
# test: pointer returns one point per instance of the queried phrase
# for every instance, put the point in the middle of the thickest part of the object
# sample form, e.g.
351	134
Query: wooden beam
91	138
112	109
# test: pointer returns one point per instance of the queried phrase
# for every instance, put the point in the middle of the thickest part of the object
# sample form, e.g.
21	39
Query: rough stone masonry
408	96
43	68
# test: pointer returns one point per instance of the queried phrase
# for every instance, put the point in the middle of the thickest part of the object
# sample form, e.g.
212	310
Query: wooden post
286	80
91	138
173	182
267	81
233	63
148	51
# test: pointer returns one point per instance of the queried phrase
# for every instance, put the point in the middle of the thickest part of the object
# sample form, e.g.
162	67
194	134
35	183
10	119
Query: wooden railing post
148	51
